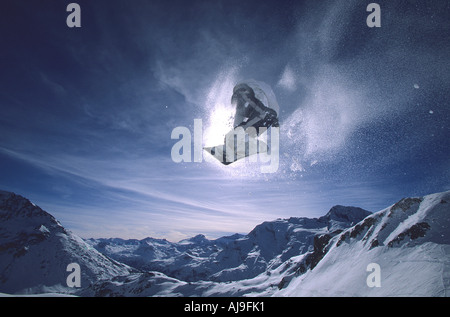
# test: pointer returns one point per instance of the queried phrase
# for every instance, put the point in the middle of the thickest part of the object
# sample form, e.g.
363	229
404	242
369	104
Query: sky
87	113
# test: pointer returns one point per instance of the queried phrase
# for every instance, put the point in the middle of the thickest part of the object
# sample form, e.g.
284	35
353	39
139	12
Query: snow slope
35	251
410	241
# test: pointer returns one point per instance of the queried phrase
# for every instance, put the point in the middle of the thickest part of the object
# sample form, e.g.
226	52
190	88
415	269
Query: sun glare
220	122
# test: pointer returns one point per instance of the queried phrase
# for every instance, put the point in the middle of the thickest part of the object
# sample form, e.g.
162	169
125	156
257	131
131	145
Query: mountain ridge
232	257
297	256
410	241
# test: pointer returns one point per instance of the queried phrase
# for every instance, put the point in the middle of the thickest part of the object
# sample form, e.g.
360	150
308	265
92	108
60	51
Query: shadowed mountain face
35	251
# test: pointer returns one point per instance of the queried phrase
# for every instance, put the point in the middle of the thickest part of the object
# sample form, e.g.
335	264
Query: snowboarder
250	111
256	108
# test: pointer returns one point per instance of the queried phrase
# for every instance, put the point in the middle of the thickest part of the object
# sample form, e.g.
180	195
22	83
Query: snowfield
410	241
328	256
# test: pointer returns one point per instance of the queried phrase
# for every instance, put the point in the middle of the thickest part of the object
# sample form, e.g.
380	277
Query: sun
219	123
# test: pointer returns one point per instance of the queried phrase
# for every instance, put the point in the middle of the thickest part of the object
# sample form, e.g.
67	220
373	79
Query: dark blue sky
87	113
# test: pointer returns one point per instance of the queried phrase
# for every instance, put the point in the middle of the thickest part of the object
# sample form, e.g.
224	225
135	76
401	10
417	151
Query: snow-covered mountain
409	243
230	258
35	251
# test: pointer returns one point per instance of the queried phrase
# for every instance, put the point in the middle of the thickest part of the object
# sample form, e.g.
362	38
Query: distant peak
13	205
198	239
346	214
4	194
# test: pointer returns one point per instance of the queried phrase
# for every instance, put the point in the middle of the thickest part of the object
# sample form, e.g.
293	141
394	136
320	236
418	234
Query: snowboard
231	152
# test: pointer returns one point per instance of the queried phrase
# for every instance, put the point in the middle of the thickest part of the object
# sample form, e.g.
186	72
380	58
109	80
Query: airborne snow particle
431	112
288	80
416	86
